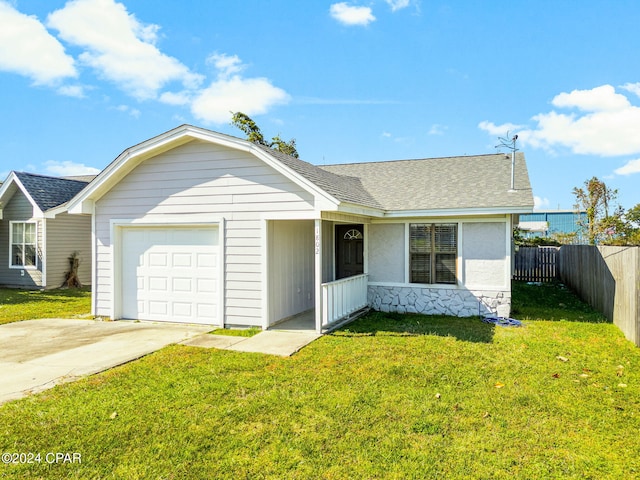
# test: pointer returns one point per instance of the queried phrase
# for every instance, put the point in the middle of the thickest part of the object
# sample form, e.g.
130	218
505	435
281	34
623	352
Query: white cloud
437	129
76	91
498	130
632	87
539	202
398	4
227	65
607	124
176	98
252	96
28	49
230	92
134	112
629	168
67	168
351	15
599	99
119	47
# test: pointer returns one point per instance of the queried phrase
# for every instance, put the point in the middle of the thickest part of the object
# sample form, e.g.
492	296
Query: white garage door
170	274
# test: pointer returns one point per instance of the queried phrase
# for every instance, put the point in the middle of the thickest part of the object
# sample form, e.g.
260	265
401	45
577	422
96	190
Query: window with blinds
433	250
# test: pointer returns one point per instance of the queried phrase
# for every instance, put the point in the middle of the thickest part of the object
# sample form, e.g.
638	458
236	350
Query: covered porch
316	272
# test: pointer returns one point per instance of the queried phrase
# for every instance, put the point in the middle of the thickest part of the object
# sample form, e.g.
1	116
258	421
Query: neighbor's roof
481	181
49	192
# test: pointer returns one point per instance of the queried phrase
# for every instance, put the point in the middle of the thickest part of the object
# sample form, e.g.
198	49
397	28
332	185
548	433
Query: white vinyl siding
291	268
204	178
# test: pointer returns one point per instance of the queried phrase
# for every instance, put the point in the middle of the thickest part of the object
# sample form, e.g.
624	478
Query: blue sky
83	80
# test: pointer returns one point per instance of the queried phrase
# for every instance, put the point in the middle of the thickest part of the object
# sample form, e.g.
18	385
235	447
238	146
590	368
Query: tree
252	131
596	199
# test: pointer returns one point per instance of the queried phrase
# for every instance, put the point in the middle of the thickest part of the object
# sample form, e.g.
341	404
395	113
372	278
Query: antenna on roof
511	145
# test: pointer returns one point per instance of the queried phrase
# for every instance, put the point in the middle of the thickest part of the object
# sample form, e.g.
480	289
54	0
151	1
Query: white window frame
35	244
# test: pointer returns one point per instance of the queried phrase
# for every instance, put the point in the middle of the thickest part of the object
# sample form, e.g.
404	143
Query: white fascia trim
455	212
122	165
171	139
354	208
302	215
456	219
196	219
13	179
292	175
52	212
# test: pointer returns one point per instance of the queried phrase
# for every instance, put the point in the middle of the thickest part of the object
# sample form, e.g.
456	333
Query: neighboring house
547	223
197	226
37	235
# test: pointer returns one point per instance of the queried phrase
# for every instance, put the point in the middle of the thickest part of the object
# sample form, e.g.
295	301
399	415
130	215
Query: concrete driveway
38	354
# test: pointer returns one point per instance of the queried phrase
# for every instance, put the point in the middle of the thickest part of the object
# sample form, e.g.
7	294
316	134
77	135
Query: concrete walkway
273	342
38	354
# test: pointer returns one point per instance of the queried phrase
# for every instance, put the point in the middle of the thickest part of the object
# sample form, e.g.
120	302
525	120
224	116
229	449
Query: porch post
318	273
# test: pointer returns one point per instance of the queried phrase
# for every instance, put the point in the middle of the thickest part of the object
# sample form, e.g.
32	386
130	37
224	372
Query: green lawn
16	304
390	396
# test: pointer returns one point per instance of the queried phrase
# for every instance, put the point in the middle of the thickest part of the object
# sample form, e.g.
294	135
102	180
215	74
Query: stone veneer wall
439	301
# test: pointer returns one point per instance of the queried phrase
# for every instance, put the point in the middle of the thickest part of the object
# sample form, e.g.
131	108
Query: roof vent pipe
511	145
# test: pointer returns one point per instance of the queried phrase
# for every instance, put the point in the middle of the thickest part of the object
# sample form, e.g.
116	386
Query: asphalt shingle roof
346	188
49	192
480	181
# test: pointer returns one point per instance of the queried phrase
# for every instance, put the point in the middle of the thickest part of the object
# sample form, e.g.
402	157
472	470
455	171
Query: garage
171	274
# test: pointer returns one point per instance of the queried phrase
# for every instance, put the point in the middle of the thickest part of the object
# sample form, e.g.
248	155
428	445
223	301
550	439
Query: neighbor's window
433	251
23	244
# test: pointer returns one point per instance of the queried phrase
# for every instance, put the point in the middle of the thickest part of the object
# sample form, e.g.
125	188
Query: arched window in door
353	234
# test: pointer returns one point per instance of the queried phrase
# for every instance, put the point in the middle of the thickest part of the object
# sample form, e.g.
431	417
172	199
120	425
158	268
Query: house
197	226
548	223
37	235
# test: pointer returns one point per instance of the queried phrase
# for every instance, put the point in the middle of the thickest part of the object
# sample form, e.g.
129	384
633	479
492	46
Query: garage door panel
206	260
157	284
206	285
183	285
182	260
157	259
170	274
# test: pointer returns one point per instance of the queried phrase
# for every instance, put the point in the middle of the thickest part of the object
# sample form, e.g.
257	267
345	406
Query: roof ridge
66	179
412	159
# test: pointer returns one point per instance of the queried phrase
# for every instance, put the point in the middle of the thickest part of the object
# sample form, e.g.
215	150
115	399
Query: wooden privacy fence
536	264
608	279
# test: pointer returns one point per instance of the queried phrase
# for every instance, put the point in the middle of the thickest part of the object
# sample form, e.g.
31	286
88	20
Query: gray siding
200	177
19	209
67	234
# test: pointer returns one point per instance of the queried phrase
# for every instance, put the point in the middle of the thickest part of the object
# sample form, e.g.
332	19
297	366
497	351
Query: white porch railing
343	297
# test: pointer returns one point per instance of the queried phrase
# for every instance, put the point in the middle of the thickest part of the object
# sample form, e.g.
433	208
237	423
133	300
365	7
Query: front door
349	250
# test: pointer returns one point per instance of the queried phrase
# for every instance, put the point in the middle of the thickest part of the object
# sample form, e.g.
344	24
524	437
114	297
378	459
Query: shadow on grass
470	329
16	296
552	302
